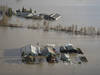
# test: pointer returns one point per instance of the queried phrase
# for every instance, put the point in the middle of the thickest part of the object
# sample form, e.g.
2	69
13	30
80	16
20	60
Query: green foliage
30	10
9	12
23	9
34	11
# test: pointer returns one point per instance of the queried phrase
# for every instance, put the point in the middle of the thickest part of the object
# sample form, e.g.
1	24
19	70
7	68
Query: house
48	49
29	49
50	17
70	49
55	16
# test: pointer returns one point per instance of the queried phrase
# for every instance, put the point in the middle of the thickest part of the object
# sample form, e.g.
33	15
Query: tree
30	10
9	12
23	9
34	11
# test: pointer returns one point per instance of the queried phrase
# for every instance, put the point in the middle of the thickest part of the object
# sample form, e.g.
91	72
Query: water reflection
13	56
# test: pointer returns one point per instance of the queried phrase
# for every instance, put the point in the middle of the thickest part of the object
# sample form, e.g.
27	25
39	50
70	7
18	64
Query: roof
56	16
51	45
69	46
29	49
48	50
51	50
67	55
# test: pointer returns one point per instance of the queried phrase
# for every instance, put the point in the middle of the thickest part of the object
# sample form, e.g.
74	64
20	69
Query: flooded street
80	12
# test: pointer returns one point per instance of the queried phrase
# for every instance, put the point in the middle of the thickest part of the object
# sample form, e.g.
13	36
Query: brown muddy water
11	39
81	12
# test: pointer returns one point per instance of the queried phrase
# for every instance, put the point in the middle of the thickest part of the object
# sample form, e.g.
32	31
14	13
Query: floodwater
73	12
11	39
80	12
